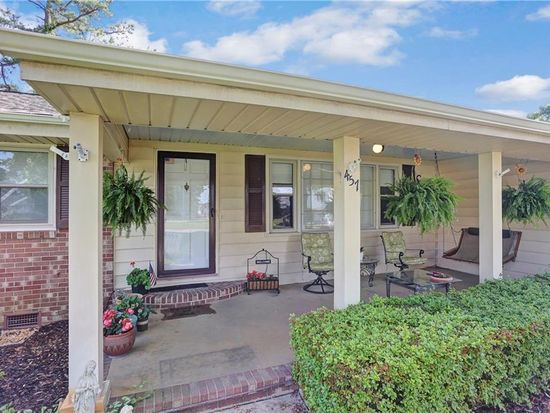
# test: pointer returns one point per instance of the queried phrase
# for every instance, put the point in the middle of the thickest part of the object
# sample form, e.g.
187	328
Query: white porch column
85	246
490	215
347	223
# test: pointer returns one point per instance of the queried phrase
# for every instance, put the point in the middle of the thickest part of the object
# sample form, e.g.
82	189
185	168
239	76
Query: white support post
347	223
490	216
85	246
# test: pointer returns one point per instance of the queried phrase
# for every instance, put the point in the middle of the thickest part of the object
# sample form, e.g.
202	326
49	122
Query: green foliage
117	406
127	201
139	276
8	408
485	346
136	304
427	202
528	203
543	114
78	19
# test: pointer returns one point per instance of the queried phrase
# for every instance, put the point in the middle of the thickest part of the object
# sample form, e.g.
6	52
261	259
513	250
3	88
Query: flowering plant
117	322
255	275
133	305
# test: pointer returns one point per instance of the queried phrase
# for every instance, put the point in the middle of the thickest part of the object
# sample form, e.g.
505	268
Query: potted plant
135	305
426	202
528	203
127	201
119	333
139	279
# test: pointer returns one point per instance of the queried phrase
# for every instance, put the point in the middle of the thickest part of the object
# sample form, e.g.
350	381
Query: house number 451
351	181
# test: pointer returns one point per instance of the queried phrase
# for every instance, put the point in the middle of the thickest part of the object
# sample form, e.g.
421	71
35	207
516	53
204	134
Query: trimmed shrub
485	346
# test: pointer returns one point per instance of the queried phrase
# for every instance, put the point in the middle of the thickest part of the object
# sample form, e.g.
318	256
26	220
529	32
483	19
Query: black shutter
62	191
409	171
254	187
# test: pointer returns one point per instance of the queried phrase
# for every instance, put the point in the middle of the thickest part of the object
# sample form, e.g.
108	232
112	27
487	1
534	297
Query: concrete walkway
243	333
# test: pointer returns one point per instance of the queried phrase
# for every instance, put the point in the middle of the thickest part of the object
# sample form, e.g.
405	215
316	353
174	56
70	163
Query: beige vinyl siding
233	244
534	251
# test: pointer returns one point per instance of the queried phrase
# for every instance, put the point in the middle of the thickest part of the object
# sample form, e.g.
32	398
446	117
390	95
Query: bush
488	345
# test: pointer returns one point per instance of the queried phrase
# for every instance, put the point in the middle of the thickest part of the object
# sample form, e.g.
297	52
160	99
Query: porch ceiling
129	87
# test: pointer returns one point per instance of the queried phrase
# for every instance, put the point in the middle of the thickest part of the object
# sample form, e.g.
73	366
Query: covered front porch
146	109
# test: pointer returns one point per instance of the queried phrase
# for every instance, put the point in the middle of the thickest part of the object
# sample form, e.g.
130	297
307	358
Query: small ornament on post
262	272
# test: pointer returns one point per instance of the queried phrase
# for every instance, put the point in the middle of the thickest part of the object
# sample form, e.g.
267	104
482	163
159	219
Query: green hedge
487	345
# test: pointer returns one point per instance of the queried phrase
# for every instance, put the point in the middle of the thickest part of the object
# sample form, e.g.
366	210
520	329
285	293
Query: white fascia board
48	49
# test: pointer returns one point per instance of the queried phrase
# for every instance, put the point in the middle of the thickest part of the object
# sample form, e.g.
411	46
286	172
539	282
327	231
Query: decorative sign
350	180
265	261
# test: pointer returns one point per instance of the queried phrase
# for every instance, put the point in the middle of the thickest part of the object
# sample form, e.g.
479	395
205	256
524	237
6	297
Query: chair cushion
394	244
318	246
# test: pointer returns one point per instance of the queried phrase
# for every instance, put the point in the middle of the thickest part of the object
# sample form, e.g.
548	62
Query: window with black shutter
62	192
254	175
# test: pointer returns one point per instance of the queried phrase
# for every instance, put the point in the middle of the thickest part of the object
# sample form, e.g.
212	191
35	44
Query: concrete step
219	393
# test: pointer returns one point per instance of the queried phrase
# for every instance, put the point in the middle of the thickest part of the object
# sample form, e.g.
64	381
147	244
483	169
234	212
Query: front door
186	227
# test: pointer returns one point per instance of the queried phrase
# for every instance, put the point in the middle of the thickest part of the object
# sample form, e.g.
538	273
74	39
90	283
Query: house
247	159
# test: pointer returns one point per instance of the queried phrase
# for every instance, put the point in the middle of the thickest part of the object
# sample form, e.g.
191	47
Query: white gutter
47	49
34	119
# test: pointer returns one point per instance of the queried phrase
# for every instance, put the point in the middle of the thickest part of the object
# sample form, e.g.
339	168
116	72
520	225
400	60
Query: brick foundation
34	273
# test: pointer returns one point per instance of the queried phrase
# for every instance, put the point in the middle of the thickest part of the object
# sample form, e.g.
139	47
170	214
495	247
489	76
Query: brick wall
33	273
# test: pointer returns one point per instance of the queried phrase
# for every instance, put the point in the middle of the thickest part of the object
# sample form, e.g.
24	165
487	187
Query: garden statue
127	409
86	390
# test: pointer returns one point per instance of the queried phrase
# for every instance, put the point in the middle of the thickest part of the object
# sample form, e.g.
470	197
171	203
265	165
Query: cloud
509	112
541	14
140	38
243	8
365	33
524	87
439	32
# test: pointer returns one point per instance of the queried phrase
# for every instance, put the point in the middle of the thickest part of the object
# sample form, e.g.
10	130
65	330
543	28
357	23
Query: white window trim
51	224
269	194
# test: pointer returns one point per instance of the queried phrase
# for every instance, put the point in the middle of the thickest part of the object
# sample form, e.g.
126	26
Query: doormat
177	287
175	313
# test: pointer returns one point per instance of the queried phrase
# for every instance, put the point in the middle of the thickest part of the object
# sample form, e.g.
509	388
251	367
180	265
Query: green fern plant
426	202
529	203
127	201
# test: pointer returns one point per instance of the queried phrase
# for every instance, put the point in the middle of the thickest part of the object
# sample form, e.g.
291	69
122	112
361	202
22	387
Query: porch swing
467	249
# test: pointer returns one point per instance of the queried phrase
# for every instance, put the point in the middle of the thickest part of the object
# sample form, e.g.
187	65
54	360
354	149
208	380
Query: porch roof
175	94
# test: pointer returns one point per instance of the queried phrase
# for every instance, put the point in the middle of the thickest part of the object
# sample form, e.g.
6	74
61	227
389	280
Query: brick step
222	392
190	297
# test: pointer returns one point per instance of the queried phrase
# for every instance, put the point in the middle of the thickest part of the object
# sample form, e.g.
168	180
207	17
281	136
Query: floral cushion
394	244
318	246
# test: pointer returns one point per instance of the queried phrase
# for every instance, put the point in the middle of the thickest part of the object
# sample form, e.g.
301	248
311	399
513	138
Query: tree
543	113
77	19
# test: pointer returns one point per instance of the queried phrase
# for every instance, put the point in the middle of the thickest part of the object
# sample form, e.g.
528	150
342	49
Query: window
317	196
368	196
282	195
26	195
386	178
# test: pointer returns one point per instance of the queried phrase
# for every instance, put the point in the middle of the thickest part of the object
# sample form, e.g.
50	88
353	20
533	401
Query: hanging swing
467	249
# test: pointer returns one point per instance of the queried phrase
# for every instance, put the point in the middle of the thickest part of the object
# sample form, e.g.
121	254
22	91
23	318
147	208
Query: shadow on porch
224	341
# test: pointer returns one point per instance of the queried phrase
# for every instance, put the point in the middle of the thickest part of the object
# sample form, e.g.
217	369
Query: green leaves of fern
528	203
426	202
127	201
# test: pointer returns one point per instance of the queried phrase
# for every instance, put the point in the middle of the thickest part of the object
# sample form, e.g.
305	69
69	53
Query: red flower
130	310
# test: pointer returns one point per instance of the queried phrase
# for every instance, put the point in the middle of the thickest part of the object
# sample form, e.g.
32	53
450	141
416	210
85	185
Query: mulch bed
36	371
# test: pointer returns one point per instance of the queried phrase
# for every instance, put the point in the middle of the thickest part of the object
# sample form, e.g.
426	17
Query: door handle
212	212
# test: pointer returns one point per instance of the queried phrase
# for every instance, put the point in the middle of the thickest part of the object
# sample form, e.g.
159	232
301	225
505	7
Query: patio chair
396	252
318	259
468	246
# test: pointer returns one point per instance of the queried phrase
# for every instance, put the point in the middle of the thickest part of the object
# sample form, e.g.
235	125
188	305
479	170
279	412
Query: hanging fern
426	202
127	201
528	203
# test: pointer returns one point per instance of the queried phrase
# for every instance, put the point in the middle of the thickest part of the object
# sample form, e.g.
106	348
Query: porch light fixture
377	148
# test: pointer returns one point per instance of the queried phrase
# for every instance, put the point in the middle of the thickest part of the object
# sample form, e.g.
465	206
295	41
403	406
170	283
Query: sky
488	55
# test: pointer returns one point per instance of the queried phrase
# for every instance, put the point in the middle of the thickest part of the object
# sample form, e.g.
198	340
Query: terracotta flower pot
119	344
